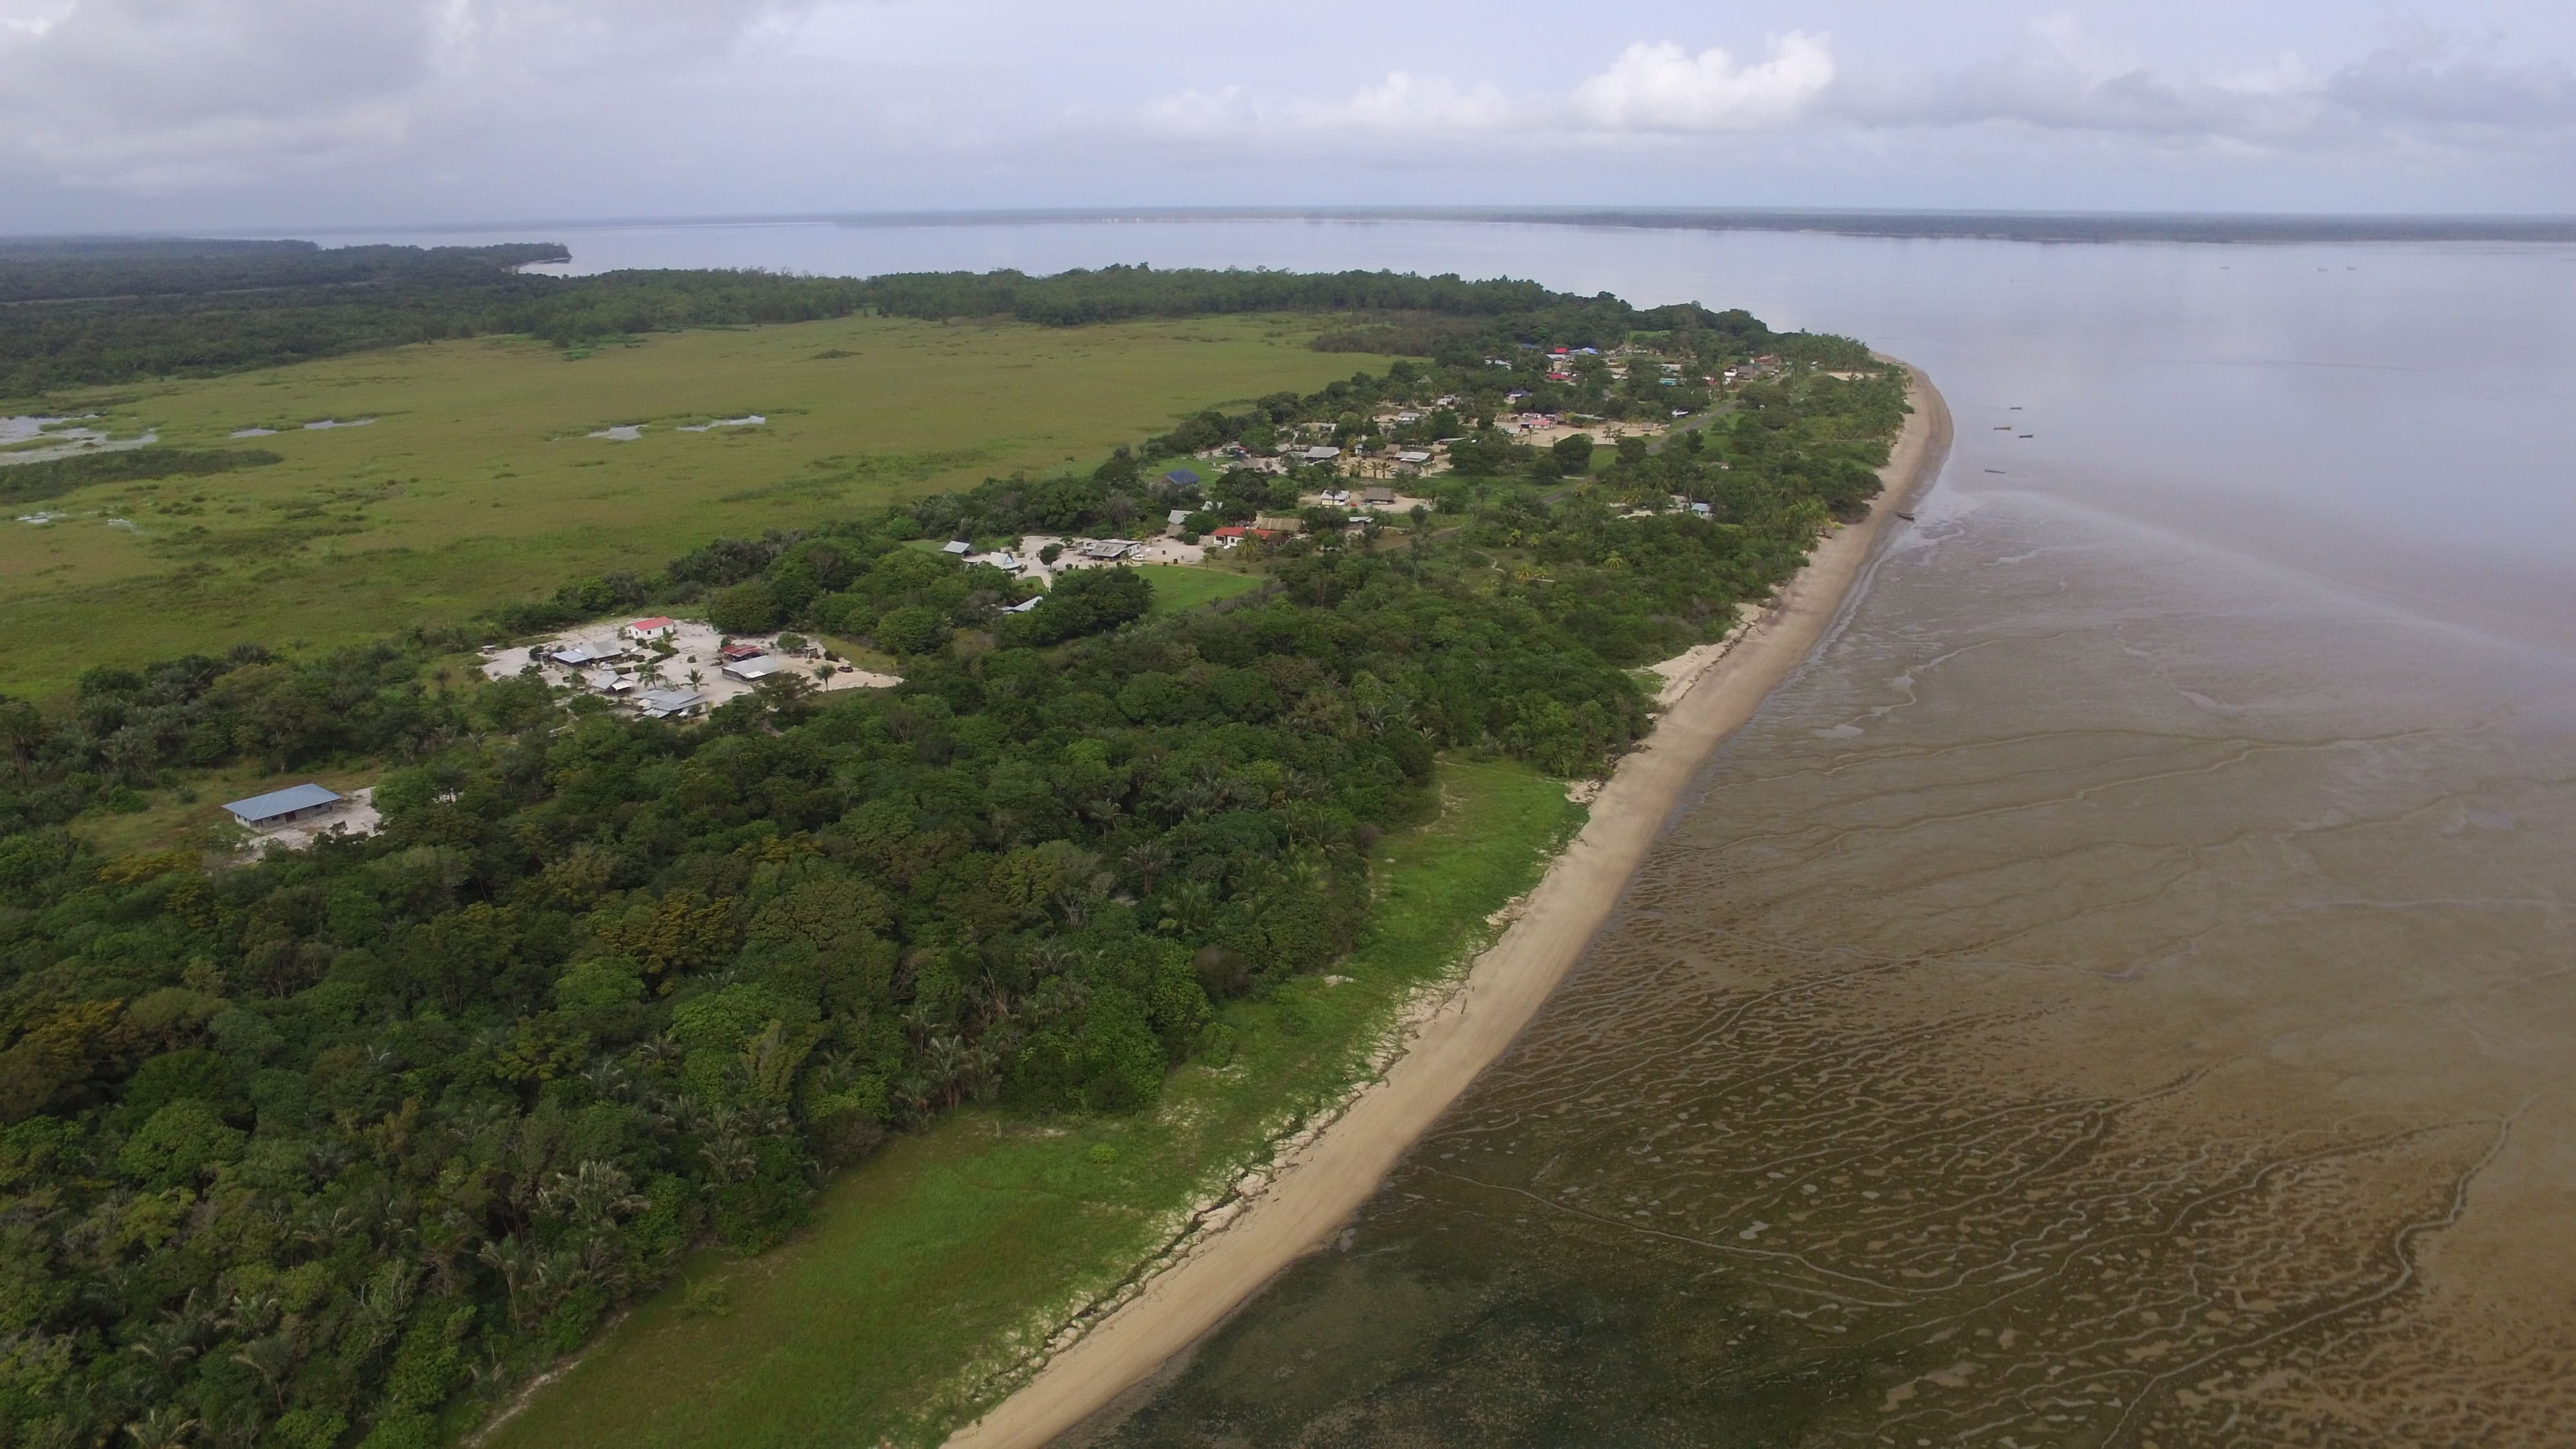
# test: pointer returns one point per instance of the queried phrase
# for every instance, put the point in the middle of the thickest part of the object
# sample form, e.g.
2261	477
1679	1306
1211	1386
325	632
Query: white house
645	631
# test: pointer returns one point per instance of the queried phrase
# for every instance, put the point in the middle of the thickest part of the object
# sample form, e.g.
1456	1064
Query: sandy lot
696	643
1315	1187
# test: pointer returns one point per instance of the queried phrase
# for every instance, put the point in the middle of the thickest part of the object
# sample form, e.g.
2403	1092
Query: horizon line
1930	223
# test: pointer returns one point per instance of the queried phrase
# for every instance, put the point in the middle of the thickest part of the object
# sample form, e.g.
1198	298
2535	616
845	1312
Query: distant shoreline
1317	1186
2045	227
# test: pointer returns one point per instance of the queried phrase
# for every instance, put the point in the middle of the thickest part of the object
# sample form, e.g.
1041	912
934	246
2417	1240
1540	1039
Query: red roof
655	623
1238	531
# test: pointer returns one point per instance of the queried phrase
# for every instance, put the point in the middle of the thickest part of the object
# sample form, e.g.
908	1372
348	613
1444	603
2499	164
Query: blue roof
1181	475
281	802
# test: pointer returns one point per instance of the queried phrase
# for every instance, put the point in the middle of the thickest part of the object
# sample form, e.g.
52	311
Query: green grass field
1179	588
478	484
930	1266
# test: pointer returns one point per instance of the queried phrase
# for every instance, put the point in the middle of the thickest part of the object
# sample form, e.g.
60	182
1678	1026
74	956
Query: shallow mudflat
2066	1018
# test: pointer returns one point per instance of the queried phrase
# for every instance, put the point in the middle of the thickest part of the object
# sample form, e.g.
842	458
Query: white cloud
305	109
2059	78
1661	87
1651	89
1400	105
159	94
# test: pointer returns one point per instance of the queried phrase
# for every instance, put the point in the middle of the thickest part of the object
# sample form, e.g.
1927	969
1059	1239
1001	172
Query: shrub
745	608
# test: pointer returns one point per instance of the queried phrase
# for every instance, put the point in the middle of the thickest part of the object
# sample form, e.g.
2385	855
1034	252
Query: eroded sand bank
1317	1187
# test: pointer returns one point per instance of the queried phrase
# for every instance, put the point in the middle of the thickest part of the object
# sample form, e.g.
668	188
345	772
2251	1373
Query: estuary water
2121	991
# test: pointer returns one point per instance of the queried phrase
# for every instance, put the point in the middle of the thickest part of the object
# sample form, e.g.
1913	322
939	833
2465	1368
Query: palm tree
162	1427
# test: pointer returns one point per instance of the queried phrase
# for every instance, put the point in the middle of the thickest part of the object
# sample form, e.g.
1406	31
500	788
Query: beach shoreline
1316	1185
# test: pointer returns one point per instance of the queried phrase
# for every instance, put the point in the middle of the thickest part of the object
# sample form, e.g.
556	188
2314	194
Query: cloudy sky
176	114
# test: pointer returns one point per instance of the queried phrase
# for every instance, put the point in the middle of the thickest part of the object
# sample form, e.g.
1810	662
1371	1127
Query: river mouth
2067	1016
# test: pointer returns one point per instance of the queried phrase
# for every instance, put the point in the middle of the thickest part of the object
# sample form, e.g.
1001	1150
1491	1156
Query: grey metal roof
283	802
758	667
669	701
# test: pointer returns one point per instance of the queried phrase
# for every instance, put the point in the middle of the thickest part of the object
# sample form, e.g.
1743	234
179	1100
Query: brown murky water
2117	994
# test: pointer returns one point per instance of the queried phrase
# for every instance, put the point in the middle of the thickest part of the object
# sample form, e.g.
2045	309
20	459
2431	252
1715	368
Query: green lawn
1179	588
478	482
930	1266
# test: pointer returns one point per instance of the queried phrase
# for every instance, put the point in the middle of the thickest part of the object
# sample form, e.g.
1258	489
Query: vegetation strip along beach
1320	1185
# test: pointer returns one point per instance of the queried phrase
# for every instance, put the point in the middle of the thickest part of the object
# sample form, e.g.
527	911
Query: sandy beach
1319	1185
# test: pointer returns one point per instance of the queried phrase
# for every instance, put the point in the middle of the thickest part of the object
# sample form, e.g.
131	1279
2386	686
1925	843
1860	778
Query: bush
1084	602
746	608
912	629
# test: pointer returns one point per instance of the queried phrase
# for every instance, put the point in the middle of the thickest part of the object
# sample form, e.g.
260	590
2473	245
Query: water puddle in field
32	438
748	420
622	433
325	425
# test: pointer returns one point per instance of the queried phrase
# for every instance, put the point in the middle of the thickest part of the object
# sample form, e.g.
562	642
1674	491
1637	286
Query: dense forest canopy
104	312
38	271
340	1144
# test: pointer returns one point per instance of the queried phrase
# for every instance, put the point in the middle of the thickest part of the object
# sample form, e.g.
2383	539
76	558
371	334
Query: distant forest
84	313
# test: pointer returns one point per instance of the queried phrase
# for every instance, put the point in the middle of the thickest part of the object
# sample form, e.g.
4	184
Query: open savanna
935	1264
478	483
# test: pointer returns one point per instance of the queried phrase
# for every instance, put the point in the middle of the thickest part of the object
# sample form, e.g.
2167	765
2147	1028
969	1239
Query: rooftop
283	802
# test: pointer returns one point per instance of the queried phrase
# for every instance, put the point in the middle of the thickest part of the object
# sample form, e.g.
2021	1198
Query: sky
176	115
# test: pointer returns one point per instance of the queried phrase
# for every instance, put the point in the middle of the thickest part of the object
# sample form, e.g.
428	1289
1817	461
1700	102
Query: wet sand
1318	1187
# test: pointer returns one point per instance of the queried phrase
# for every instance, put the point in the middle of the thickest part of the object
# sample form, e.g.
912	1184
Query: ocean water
2121	991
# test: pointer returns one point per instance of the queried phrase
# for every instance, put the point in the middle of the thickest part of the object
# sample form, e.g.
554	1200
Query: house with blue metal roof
278	807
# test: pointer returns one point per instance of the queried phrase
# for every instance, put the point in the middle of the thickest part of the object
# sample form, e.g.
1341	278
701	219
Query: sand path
1314	1189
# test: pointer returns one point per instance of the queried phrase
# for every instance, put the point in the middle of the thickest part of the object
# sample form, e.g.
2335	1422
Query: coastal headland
1313	1189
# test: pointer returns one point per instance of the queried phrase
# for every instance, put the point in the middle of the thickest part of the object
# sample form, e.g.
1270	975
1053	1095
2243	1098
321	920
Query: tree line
88	313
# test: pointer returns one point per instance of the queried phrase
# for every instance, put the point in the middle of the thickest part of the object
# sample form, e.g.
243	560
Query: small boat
1908	517
2003	427
1994	470
2028	435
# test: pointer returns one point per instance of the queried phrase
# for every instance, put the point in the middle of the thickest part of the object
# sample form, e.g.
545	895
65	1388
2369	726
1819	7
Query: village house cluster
666	668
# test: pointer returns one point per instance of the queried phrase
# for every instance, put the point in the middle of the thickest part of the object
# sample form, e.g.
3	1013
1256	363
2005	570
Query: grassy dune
928	1263
478	482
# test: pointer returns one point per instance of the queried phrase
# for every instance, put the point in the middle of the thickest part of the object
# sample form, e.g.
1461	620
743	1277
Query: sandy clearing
1318	1185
